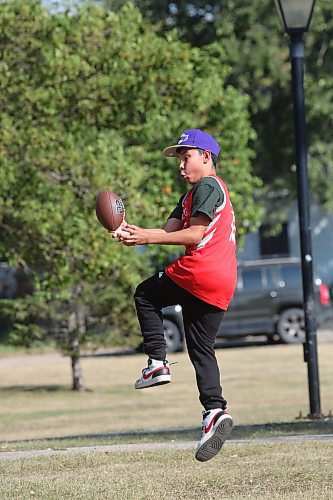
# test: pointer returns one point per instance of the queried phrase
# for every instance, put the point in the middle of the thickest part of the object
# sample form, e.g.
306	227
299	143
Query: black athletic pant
201	324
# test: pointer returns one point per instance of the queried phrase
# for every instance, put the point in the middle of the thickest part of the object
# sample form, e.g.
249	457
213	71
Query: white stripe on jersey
221	207
214	221
217	216
205	240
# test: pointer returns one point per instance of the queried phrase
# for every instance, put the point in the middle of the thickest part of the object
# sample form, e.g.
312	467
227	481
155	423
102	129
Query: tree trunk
76	327
77	375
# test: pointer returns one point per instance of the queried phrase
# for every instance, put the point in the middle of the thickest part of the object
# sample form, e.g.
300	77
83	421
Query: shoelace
147	367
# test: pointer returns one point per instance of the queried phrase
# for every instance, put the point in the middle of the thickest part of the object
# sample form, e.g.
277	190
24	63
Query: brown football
110	210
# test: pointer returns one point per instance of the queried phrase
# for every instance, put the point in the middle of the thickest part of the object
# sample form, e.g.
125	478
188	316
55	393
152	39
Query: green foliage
264	72
248	38
88	100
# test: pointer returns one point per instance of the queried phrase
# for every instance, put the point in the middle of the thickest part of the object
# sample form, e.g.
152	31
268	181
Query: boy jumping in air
202	281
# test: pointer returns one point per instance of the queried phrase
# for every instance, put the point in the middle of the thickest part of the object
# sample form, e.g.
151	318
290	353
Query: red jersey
208	270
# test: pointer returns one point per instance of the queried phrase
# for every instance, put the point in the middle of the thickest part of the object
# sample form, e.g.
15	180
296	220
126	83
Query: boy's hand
134	235
120	232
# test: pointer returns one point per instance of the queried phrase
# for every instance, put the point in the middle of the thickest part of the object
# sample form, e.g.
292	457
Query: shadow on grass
254	431
35	388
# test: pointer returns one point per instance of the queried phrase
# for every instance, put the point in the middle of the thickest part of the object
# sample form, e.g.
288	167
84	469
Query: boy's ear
206	156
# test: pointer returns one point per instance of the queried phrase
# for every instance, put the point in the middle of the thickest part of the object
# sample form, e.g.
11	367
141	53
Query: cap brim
172	150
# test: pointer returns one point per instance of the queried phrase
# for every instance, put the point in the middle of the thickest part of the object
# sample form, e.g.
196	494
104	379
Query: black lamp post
295	16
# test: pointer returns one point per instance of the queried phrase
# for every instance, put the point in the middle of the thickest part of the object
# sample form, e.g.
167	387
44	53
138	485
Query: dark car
267	301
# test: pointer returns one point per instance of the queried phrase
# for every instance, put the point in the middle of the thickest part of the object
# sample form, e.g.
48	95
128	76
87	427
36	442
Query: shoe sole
212	446
160	380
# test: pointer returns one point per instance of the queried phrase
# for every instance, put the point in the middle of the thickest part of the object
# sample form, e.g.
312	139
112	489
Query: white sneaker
216	427
156	373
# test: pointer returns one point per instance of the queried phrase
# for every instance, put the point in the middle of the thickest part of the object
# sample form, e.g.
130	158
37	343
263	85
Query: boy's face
193	164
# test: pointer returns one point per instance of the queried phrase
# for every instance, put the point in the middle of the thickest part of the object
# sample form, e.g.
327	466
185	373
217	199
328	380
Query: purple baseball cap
194	138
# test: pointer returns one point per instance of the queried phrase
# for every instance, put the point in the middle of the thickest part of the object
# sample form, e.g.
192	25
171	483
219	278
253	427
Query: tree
248	38
88	100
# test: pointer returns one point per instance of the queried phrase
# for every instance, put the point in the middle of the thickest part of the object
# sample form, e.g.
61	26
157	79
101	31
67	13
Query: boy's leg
201	323
150	297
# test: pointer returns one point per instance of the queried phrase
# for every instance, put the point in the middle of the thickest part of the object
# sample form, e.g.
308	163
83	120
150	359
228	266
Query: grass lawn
266	471
266	388
262	384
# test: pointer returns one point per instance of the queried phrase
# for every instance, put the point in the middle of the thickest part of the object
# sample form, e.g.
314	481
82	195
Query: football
110	210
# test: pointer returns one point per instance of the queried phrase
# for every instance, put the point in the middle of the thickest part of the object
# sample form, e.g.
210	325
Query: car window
291	275
270	278
252	279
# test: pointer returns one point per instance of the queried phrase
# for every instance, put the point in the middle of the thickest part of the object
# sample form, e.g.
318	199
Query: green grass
263	385
276	471
7	350
266	388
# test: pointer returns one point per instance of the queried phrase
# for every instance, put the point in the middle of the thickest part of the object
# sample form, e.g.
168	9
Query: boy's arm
171	225
170	235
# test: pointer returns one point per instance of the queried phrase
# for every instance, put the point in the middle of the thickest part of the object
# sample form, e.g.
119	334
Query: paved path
175	445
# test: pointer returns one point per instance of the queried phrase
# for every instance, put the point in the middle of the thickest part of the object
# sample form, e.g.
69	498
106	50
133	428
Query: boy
202	281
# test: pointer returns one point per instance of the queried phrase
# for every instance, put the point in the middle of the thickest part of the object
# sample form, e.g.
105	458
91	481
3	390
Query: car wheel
290	326
172	336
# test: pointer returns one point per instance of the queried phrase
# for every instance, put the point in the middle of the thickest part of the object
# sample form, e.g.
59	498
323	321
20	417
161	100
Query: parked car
268	301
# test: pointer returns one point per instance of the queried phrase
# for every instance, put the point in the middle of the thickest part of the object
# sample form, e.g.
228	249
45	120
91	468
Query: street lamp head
295	15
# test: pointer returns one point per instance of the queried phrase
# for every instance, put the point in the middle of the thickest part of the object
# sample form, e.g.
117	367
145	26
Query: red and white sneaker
216	427
156	373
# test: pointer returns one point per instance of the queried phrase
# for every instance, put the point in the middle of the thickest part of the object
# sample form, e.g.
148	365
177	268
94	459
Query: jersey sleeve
207	197
178	210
